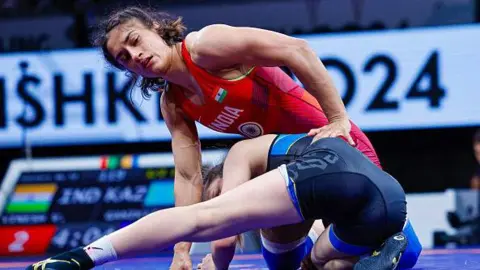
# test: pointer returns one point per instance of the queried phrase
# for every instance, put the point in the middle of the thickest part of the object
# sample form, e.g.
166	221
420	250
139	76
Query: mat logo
31	198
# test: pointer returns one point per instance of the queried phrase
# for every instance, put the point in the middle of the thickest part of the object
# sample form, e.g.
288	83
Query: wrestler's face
139	49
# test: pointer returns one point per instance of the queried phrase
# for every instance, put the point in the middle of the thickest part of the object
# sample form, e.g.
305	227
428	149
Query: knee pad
414	248
287	256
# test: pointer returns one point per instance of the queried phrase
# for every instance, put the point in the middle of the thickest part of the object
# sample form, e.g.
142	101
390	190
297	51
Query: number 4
434	92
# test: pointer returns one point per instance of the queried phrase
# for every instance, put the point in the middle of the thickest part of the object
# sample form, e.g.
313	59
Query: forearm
317	81
223	251
187	192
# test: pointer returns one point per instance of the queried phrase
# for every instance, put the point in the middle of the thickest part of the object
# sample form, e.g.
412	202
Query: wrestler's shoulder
196	40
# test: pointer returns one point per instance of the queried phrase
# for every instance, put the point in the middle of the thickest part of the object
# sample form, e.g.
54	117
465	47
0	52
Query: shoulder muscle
220	46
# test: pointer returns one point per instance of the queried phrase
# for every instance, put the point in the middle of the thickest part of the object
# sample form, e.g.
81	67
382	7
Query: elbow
301	44
187	178
187	175
301	54
239	150
188	168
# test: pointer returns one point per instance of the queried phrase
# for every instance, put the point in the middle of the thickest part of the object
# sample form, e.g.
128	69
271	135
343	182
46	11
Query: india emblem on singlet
251	129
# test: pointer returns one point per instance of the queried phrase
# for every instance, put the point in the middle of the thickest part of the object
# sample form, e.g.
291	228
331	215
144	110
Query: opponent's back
332	174
353	161
338	155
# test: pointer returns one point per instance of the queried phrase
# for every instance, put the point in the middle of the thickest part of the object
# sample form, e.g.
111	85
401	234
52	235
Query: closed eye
135	41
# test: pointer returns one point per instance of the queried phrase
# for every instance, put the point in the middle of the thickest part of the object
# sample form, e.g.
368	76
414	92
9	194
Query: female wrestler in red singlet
228	79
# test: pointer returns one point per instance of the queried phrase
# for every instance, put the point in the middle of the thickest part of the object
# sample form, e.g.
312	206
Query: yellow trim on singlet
293	144
296	195
289	182
242	76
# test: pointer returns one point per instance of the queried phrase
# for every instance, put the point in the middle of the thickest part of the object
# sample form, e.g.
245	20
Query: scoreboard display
53	205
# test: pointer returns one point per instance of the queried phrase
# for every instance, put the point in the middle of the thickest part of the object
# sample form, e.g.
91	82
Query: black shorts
333	181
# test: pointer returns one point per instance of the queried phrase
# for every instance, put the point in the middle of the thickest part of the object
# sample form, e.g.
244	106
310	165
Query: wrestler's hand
336	128
181	261
207	263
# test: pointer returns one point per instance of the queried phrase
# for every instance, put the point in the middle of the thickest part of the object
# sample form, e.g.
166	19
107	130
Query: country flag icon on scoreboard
31	198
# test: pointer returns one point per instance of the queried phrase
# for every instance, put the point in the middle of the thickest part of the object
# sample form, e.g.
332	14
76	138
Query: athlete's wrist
182	247
339	118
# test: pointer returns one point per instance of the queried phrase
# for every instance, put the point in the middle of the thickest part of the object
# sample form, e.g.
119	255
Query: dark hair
171	29
209	174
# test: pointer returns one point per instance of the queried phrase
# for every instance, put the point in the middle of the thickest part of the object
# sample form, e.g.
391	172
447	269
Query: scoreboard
53	205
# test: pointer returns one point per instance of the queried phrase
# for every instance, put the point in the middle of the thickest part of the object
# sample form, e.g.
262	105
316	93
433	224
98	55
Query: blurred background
408	71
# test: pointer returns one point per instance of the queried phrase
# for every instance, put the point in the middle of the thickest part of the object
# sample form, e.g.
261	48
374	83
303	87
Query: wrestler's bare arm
187	157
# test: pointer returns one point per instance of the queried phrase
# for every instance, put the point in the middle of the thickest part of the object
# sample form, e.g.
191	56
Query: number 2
380	102
21	238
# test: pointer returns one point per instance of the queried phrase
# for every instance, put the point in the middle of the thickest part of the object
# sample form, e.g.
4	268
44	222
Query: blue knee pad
414	248
276	259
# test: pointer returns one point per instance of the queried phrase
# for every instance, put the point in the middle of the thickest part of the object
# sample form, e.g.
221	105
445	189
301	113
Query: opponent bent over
283	247
306	188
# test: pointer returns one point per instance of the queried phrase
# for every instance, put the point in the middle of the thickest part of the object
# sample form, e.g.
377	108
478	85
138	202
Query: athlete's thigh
287	233
259	203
